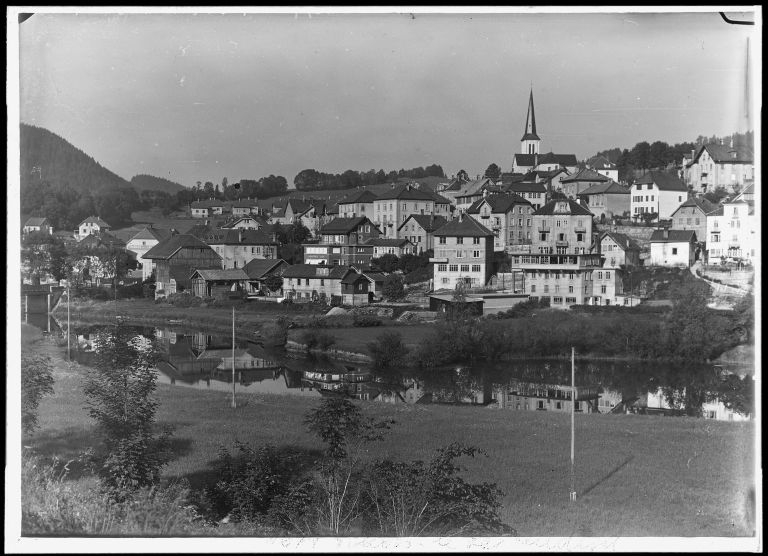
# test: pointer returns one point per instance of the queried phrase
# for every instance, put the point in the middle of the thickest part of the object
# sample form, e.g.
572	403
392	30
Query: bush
393	287
365	320
388	351
315	339
36	382
184	300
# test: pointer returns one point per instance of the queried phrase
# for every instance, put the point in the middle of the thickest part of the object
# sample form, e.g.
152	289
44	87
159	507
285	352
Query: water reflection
205	361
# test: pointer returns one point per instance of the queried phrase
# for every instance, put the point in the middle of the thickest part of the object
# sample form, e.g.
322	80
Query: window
607	275
557	288
519	210
579	237
442	267
528	222
603	289
465	268
475	268
540	404
475	254
476	240
442	240
674	250
557	224
546	288
445	280
459	240
533	288
453	268
599	275
519	221
570	289
557	300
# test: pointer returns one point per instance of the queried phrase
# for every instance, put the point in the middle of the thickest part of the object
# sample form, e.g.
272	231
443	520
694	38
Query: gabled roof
622	240
664	181
605	187
354	277
499	203
585	174
548	158
258	268
699	202
207	203
428	222
149	232
94	220
601	163
102	239
360	196
245	203
464	227
570	207
472	187
375	275
673	236
310	271
219	274
255	217
227	236
725	154
406	192
525	187
36	221
344	225
386	242
169	247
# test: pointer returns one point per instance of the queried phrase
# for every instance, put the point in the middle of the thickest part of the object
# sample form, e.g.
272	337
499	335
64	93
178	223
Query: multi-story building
314	281
359	203
692	215
732	232
508	216
606	200
580	181
237	247
560	266
619	250
343	242
394	206
176	258
562	226
463	254
718	165
533	192
419	230
657	192
142	242
391	246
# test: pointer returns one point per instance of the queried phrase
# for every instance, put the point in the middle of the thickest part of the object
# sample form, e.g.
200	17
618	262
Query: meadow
635	475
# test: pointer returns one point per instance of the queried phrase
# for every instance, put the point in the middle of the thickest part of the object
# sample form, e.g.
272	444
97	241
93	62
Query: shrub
365	320
393	287
184	300
36	382
388	350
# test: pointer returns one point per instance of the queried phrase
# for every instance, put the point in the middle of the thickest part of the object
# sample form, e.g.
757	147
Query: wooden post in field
234	403
573	420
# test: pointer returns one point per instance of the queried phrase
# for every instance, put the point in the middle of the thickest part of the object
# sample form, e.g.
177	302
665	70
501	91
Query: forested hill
47	157
143	182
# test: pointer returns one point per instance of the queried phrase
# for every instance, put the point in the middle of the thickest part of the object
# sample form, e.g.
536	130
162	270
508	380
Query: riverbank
635	475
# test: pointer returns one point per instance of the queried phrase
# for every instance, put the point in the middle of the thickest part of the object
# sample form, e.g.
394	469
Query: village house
508	216
245	207
252	222
463	254
394	206
732	233
307	282
673	248
472	191
534	193
606	200
91	225
603	166
391	246
37	224
464	189
619	250
142	242
419	230
550	179
237	247
343	242
176	258
692	215
258	271
359	203
717	165
96	262
657	192
581	181
199	209
311	213
562	226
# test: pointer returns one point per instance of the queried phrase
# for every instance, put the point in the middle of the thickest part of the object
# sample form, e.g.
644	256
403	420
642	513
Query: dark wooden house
221	284
176	259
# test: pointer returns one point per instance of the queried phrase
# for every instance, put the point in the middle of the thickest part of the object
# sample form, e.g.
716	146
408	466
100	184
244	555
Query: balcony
440	260
543	230
561	244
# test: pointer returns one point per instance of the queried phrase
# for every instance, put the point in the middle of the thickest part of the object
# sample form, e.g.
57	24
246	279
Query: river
196	359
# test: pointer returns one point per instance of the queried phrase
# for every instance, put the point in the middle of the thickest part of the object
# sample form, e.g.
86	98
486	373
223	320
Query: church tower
530	141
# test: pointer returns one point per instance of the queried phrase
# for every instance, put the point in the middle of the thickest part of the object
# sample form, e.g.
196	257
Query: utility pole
573	420
69	356
234	403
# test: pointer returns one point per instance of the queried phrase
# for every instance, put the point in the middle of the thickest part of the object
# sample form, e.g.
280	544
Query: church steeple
530	141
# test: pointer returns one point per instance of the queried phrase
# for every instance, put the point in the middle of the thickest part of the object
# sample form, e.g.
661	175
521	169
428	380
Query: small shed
356	289
445	303
222	284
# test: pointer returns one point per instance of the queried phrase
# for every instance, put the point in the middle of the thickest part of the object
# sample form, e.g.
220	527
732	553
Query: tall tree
493	171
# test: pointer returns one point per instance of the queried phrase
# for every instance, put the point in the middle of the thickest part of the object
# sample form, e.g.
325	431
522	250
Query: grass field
635	475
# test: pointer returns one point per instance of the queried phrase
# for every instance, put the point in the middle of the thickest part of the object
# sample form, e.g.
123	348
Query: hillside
143	182
47	157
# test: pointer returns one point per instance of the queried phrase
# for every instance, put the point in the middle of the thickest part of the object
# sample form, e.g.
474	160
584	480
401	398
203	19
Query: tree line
311	179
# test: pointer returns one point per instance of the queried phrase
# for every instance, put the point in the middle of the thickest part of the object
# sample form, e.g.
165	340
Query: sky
197	97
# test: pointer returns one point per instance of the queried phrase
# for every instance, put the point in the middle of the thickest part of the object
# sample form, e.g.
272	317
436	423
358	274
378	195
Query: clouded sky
196	97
